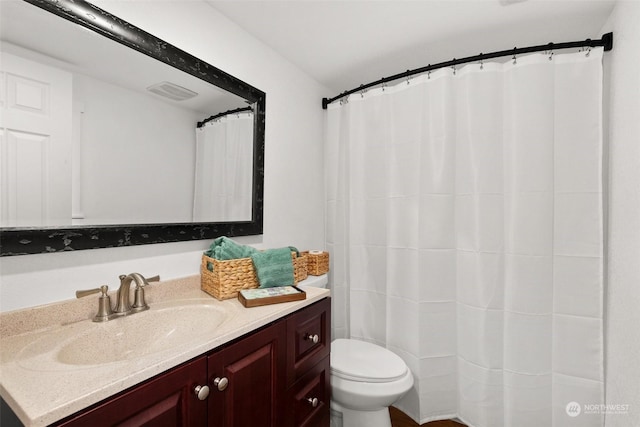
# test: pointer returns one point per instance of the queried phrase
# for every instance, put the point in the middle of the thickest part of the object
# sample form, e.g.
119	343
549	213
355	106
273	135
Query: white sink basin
162	327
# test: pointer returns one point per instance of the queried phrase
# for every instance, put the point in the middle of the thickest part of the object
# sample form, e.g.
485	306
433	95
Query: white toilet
365	380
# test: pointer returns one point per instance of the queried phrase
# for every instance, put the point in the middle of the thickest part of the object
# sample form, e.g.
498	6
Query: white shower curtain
465	222
223	173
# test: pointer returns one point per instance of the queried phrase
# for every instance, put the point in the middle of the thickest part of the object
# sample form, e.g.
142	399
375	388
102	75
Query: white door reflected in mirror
35	150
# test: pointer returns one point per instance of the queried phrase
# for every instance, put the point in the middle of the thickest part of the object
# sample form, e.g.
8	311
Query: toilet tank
314	282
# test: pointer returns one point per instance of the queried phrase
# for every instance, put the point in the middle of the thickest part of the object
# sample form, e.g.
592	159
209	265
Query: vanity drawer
308	338
309	398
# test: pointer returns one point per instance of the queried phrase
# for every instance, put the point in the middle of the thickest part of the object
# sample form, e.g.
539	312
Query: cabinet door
250	382
166	400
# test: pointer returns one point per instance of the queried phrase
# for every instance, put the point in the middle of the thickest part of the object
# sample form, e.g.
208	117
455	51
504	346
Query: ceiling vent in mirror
172	91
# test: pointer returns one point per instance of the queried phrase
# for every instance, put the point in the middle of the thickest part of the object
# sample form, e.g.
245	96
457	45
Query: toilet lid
362	361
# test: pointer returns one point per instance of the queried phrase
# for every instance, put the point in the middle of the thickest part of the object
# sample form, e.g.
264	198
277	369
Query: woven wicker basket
317	264
230	276
299	267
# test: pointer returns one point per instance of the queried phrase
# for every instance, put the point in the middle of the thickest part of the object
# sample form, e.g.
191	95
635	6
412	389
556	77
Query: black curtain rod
226	113
606	41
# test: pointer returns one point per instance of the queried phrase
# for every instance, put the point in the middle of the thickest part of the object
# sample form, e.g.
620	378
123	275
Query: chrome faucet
123	303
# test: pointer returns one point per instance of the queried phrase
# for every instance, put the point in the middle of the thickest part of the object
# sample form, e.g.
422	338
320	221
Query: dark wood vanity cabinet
166	400
277	376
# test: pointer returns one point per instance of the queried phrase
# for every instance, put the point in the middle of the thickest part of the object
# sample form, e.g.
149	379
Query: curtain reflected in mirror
224	165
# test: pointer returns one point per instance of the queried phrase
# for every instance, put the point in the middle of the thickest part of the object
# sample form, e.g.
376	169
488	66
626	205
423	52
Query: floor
400	419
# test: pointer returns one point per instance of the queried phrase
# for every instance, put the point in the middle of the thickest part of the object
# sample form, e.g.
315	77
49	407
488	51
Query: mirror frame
35	240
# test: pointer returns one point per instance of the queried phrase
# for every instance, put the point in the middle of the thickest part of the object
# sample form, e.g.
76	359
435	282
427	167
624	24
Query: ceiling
345	43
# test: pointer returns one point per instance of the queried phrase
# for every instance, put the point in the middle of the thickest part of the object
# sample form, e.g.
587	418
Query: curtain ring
514	56
550	55
454	67
588	51
345	99
481	62
429	73
408	78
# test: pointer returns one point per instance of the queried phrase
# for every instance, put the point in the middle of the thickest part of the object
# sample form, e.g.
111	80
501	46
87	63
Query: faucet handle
86	292
139	303
104	303
155	278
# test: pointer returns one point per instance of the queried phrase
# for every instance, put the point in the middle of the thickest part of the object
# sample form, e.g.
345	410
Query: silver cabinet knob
313	402
221	383
201	391
313	338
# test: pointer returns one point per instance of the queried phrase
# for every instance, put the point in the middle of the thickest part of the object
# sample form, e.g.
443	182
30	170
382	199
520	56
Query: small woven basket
317	264
230	276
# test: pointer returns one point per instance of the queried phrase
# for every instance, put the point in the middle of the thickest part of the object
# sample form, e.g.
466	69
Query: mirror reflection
94	133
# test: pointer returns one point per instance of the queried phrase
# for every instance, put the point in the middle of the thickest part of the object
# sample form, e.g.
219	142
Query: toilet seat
360	361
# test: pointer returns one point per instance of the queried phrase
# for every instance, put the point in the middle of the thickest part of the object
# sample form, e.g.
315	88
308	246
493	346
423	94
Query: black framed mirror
21	240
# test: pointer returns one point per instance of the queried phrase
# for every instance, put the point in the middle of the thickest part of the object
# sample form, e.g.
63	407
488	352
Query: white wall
622	316
120	167
294	190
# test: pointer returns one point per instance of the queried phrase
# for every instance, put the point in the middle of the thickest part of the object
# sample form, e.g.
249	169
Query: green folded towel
274	267
223	248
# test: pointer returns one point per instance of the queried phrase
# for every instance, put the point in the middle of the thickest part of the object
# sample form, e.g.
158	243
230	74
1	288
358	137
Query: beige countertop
51	364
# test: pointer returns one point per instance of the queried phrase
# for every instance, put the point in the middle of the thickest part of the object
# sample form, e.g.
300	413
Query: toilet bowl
365	380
